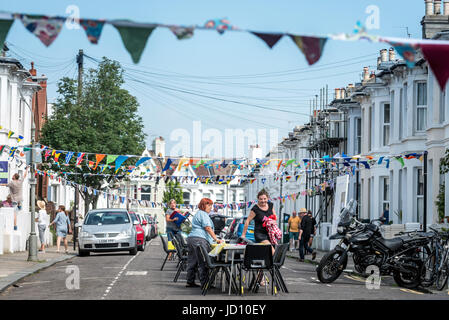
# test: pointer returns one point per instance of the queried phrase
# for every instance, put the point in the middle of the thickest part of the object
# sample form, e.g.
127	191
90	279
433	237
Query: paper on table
217	249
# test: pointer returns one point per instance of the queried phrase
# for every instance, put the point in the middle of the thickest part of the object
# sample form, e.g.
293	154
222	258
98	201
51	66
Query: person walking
293	229
42	222
202	234
15	190
62	221
304	237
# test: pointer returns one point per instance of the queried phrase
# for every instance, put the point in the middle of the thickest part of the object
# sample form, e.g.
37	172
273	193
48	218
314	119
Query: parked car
153	226
140	232
144	223
226	227
236	229
106	230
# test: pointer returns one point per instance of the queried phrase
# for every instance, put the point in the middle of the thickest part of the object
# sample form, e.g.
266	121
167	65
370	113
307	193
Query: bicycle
443	268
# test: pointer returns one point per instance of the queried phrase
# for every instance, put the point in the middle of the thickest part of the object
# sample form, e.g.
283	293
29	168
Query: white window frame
358	135
386	137
442	112
217	200
385	193
420	107
142	193
419	196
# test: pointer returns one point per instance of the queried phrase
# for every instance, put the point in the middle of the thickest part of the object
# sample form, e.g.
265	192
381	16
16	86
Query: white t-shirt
42	217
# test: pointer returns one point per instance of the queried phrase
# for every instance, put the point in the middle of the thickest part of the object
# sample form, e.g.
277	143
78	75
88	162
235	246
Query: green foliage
173	191
440	203
104	121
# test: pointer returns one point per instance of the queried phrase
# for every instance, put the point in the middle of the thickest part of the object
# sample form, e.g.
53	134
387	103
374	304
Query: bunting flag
388	163
380	160
134	36
47	154
68	157
93	29
119	161
219	24
43	27
6	22
407	51
20	138
400	160
142	160
79	158
12	151
98	158
56	156
10	133
311	47
198	164
1	149
167	165
110	158
182	33
90	164
269	38
436	55
279	165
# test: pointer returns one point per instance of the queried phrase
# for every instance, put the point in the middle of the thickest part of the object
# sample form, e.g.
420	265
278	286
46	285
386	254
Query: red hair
204	202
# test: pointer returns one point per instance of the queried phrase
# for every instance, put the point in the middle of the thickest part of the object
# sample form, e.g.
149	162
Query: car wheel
133	251
142	247
83	253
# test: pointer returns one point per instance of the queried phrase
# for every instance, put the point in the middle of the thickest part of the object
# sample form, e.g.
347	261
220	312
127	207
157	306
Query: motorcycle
399	256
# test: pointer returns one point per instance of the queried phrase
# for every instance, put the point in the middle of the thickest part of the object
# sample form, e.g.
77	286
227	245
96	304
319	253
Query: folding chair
278	261
259	258
167	251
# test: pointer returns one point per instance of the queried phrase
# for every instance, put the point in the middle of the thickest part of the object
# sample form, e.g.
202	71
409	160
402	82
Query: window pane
145	196
386	189
386	135
386	113
421	119
422	94
146	188
442	106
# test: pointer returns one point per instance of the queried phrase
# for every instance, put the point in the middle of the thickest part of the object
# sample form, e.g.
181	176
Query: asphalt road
124	277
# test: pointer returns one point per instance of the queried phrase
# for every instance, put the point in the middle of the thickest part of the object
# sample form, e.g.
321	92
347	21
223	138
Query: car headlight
341	230
126	233
85	234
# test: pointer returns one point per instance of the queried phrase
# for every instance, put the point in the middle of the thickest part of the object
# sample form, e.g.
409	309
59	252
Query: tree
173	191
105	121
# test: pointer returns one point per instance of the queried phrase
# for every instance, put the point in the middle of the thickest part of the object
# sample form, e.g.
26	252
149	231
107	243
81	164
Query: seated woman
202	234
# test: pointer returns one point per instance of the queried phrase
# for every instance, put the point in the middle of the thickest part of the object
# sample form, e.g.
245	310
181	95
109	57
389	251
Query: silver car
106	230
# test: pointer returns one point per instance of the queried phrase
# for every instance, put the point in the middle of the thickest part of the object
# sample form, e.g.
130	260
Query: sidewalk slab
14	266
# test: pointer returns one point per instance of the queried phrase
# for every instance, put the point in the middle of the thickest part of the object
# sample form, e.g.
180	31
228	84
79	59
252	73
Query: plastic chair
259	258
278	261
167	251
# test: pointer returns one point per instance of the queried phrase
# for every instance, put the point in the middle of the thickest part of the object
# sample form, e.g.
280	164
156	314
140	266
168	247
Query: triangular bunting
43	27
269	38
311	47
93	29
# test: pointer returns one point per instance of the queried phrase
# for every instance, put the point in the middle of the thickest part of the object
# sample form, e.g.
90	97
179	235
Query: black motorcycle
399	256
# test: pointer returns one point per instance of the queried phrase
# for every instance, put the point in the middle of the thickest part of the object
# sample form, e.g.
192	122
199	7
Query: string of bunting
135	35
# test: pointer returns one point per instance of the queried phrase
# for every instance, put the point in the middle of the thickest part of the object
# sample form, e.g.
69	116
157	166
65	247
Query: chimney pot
343	93
429	8
365	74
446	8
337	94
437	7
383	55
391	54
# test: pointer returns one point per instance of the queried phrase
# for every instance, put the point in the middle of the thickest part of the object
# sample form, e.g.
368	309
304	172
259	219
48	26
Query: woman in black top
262	209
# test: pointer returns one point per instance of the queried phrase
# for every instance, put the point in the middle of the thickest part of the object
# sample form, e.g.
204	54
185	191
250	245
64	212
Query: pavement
15	266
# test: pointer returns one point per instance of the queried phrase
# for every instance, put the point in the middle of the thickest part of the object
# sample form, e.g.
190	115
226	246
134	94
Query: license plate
107	241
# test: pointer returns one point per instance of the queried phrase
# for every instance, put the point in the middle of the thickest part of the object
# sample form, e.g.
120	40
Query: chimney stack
429	7
391	54
383	55
343	93
32	70
437	7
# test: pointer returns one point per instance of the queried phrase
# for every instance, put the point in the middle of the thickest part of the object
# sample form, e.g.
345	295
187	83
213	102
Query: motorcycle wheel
330	267
406	281
442	278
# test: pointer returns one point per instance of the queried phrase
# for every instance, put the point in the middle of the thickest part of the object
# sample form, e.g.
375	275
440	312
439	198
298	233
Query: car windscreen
107	218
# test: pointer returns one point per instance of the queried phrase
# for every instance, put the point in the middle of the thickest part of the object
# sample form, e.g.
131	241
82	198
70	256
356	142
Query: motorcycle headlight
341	230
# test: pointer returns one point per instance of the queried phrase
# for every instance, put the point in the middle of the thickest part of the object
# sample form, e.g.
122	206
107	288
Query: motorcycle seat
392	244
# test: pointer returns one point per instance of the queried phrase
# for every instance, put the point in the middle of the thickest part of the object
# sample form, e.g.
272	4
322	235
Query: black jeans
304	244
193	262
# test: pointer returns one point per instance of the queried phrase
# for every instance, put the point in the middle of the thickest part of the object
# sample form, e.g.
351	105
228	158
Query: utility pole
32	243
79	61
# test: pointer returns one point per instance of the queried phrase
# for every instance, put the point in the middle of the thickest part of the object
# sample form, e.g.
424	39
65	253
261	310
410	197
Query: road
112	276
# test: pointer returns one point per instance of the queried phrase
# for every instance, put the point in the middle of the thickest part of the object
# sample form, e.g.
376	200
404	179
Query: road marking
411	291
136	273
356	278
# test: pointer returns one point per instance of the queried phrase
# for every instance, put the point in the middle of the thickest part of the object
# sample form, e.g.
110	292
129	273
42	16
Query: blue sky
219	65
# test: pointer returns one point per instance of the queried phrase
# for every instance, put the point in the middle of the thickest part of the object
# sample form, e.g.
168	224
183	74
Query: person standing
171	227
293	229
203	235
62	222
260	210
304	237
312	235
15	190
42	223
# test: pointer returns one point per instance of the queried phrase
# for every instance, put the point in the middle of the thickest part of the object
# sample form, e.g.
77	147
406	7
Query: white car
145	225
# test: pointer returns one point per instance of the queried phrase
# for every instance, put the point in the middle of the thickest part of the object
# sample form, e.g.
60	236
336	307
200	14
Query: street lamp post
32	244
